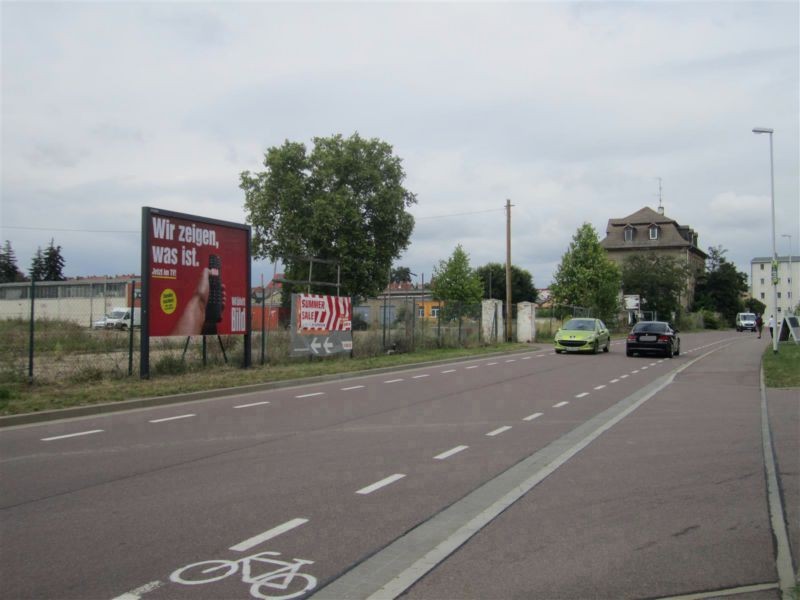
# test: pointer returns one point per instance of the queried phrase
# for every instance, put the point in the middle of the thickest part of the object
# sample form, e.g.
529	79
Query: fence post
30	341
133	322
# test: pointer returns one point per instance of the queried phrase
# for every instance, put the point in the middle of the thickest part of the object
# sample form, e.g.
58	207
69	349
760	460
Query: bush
170	364
711	320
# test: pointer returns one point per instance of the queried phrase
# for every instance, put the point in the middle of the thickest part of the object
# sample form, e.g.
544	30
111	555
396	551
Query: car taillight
631	337
663	338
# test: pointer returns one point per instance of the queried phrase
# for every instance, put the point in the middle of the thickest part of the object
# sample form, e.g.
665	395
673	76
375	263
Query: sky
576	112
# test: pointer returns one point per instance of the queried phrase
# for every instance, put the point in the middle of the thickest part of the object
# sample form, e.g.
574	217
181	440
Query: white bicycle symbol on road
281	579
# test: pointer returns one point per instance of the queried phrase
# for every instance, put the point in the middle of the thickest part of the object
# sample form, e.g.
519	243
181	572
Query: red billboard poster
196	275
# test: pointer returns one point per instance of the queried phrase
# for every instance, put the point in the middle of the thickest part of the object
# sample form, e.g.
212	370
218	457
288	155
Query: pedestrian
759	325
771	325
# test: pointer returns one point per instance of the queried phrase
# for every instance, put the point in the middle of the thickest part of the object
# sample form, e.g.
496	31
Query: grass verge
19	397
781	369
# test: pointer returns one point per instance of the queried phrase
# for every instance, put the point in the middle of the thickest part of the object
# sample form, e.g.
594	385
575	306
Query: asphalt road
523	476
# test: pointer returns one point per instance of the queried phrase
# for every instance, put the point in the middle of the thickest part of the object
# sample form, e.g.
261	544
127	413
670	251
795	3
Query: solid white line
471	367
498	431
560	404
450	452
393	380
614	381
729	592
449	371
533	416
582	395
268	535
70	435
172	418
379	484
600	387
352	387
140	591
253	404
310	395
420	376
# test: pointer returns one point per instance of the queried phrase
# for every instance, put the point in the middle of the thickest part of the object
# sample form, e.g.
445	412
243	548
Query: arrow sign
328	346
315	346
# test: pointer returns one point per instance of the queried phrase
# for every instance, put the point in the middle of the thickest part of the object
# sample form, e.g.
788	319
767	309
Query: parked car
100	323
653	337
119	318
587	335
745	322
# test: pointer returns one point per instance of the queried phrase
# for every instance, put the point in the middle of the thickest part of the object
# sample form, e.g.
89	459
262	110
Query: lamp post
791	299
775	331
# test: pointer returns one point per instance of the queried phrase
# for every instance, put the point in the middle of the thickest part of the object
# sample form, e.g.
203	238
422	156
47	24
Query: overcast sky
571	110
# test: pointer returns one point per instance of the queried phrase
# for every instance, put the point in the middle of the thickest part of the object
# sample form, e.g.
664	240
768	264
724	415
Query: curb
122	405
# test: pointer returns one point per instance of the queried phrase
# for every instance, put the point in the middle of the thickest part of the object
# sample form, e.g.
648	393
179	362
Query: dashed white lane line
532	417
420	376
379	484
71	435
252	404
353	387
449	371
491	364
471	367
511	360
623	376
653	364
560	404
599	387
268	535
310	395
644	368
526	358
140	591
582	395
634	372
498	431
614	381
450	452
189	416
393	380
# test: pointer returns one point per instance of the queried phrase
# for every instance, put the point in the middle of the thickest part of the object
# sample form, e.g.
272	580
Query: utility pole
508	270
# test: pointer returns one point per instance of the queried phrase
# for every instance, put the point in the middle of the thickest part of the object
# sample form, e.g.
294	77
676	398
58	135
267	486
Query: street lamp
791	300
775	331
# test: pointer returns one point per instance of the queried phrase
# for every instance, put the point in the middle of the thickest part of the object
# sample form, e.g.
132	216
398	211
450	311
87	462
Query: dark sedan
656	337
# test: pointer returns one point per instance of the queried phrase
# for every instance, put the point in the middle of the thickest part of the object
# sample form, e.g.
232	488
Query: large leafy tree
659	280
9	272
493	280
456	283
721	287
401	275
343	201
586	277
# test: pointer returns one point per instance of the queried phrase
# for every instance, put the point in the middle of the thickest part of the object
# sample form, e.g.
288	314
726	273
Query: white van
745	321
120	318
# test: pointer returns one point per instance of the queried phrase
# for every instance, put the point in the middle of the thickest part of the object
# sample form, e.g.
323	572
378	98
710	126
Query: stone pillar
526	322
492	321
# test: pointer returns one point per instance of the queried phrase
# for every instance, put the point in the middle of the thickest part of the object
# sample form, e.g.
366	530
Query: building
649	231
788	282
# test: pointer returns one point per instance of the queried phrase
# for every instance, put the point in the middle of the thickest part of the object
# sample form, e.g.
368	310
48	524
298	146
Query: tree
659	280
401	275
344	201
456	283
9	272
755	306
53	263
720	288
586	277
493	279
37	268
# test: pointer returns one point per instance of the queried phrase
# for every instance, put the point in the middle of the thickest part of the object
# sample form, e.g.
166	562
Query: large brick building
648	230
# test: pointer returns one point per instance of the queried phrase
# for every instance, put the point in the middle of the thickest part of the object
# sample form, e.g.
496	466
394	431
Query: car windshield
650	327
579	325
747	317
118	314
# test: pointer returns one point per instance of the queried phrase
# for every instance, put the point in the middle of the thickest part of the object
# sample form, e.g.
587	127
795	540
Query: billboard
195	274
321	325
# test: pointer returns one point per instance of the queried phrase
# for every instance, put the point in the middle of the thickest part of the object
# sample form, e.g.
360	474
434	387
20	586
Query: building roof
768	259
671	233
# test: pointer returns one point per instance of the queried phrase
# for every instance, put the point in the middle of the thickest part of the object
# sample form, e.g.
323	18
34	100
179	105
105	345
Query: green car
582	335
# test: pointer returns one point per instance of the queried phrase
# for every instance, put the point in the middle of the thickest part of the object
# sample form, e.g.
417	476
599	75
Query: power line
477	212
69	230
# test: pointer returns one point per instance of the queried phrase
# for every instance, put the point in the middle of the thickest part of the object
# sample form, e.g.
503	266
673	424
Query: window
762	281
629	234
779	294
762	295
435	312
421	312
653	232
762	266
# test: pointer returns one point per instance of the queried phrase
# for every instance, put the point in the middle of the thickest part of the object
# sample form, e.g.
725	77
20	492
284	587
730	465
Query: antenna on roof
660	207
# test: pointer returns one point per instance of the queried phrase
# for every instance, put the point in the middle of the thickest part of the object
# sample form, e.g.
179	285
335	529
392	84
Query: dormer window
653	232
629	233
